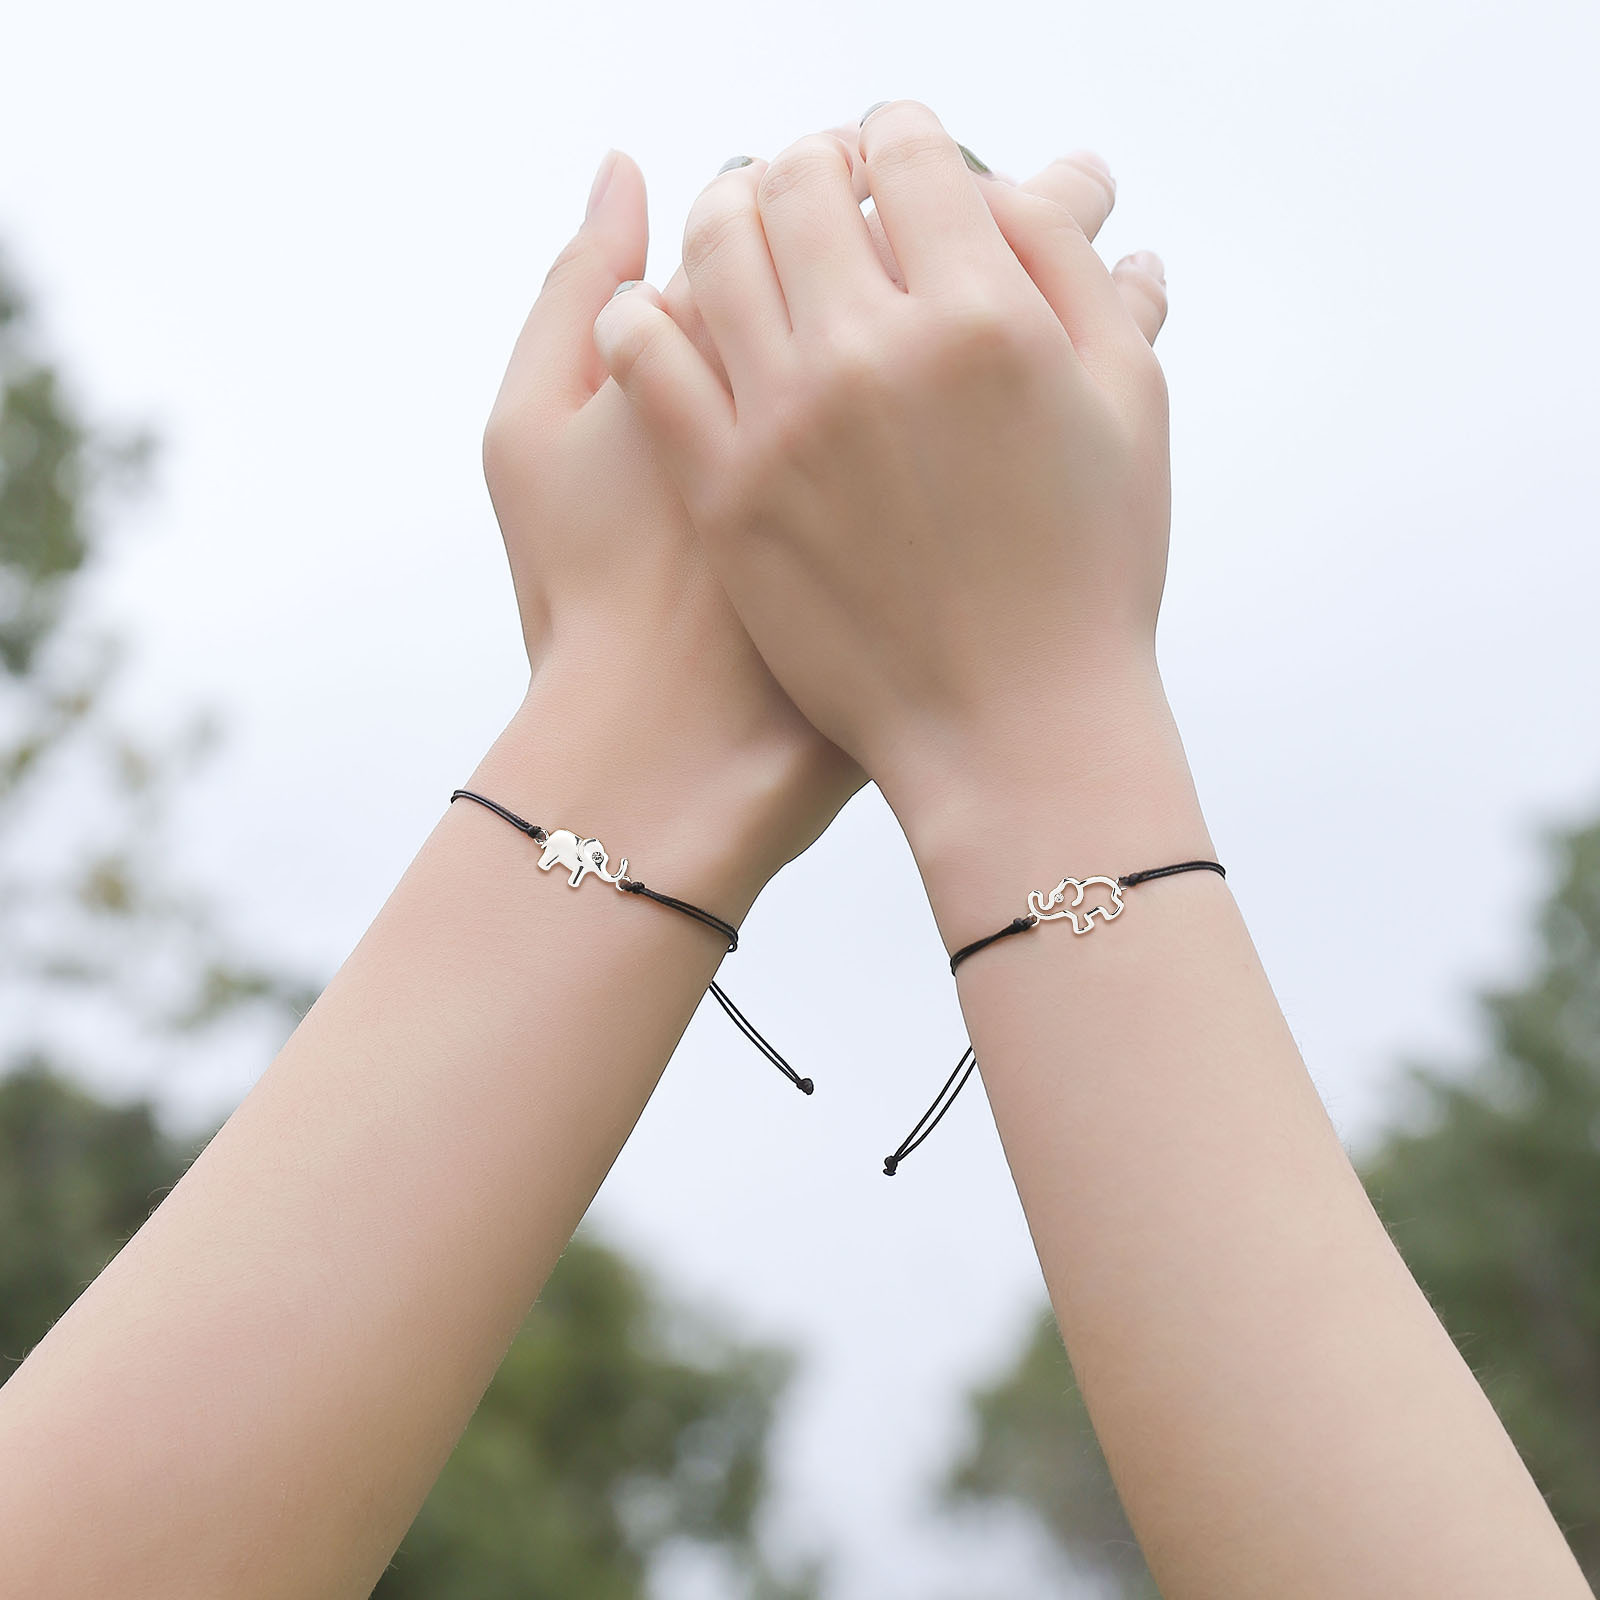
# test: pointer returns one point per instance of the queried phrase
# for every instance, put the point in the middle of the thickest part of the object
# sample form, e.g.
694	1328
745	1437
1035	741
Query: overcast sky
298	241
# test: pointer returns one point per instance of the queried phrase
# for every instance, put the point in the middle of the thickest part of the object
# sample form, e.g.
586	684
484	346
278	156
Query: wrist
703	806
1096	785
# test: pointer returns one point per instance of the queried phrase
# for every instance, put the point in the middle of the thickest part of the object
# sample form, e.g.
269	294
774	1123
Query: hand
635	651
939	508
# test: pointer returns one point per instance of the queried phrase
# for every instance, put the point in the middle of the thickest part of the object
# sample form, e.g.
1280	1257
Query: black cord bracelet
583	857
1042	907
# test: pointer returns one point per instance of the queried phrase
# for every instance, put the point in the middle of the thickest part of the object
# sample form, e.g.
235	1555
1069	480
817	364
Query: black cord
1168	872
705	918
934	1115
726	929
532	829
748	1029
1020	925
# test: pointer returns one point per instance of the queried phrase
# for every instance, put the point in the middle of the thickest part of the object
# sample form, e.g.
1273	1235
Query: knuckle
715	219
979	328
502	441
846	361
805	162
903	134
910	148
637	346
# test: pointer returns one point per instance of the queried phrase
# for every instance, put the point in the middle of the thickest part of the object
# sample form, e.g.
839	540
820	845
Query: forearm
1281	1410
255	1397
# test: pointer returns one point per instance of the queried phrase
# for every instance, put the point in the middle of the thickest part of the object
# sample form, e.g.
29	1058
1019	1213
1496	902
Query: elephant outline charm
1042	906
580	857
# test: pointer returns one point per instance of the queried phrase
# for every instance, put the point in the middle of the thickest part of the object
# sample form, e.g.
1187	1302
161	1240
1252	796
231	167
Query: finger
679	300
730	270
1063	265
815	231
554	357
684	408
1082	183
1141	280
936	222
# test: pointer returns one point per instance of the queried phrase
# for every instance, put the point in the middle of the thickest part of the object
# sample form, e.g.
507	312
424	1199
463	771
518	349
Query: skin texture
940	507
255	1396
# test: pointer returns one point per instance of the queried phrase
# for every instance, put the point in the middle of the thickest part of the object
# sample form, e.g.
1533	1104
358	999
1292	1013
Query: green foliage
77	1178
598	1445
1493	1196
1491	1190
1035	1449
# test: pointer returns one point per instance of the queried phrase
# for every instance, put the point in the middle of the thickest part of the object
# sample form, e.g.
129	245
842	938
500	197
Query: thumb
555	357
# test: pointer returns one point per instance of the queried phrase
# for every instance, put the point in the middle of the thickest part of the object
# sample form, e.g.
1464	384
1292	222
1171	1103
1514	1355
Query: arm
959	482
255	1396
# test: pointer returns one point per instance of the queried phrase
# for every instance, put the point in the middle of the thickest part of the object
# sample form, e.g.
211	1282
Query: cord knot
890	1165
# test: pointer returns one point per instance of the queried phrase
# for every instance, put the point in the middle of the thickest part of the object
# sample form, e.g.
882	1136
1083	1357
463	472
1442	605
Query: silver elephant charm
1043	906
579	857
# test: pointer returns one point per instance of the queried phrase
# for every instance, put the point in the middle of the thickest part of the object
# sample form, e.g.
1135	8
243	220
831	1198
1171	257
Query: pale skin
255	1397
940	508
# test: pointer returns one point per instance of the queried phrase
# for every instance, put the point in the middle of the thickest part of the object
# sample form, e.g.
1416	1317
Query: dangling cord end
934	1115
749	1030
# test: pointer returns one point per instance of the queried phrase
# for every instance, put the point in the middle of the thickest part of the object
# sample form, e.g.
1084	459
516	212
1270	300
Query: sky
297	243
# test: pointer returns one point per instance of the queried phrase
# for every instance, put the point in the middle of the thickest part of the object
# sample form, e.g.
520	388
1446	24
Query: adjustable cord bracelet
1041	908
581	857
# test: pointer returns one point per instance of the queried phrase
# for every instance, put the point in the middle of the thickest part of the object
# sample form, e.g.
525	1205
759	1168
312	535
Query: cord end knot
890	1166
804	1085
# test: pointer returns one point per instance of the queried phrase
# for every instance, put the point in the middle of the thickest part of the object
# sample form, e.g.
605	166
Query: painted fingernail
971	160
877	105
732	162
602	182
622	288
1149	261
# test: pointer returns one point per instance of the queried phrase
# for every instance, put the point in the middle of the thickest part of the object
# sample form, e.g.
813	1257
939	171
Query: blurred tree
604	1444
77	1178
1034	1449
601	1444
89	918
1489	1182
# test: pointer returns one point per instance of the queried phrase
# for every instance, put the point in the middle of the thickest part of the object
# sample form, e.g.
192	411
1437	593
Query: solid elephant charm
579	857
1044	906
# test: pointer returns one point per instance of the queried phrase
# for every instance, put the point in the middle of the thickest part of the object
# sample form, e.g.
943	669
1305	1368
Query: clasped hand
903	471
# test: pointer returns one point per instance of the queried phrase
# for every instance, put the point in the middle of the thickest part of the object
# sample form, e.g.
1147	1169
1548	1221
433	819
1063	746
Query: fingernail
877	105
733	162
632	283
1149	261
972	160
602	182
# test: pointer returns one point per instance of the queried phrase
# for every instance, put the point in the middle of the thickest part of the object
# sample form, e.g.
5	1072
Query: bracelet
1042	907
581	857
